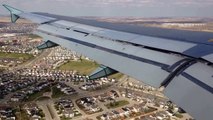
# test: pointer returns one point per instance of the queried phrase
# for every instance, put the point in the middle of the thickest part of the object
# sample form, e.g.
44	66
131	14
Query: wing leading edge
158	57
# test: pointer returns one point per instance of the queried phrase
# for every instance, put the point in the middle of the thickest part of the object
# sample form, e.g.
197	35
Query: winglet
47	44
14	13
102	71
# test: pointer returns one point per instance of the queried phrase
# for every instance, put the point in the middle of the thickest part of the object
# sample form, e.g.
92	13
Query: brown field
7	19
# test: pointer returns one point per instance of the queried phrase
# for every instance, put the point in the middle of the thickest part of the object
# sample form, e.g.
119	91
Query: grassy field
84	67
33	36
178	115
21	56
38	94
7	19
150	109
116	76
43	98
56	93
22	115
117	104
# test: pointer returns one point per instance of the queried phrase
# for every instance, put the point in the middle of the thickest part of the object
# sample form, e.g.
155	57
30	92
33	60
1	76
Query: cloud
194	2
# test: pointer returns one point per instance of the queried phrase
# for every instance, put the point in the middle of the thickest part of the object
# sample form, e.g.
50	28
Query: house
126	111
68	113
14	99
33	111
64	104
7	113
121	113
133	109
84	87
110	116
94	108
36	117
116	114
103	117
18	97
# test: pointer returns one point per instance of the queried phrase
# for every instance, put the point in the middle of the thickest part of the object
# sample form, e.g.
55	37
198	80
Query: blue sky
124	8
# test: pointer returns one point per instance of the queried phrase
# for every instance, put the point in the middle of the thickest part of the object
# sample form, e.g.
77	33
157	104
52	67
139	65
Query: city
53	84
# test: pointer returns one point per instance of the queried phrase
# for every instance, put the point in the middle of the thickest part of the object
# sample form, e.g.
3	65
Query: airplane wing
179	60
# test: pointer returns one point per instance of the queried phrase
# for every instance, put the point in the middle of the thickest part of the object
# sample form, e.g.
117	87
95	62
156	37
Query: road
81	94
29	64
51	113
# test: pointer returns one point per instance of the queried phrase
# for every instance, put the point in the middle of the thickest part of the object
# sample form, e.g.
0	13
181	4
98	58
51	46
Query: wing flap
192	90
208	57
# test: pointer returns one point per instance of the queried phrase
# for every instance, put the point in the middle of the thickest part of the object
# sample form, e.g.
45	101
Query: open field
84	67
116	76
22	115
33	36
7	19
36	95
116	104
56	93
21	56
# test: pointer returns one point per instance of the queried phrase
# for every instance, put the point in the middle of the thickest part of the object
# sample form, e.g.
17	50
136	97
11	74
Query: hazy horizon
169	17
116	8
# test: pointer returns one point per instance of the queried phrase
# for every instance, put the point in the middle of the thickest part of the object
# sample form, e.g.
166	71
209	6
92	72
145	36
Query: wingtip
14	12
5	5
12	9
